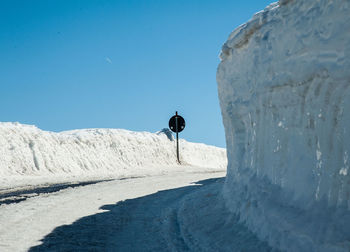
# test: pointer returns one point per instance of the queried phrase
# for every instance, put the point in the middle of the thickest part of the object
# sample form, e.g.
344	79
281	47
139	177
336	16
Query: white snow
284	93
100	189
89	219
30	156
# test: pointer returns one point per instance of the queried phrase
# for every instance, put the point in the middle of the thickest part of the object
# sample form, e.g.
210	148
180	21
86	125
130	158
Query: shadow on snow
148	223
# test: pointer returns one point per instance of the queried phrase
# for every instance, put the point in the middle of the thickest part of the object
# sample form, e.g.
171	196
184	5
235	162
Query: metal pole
177	139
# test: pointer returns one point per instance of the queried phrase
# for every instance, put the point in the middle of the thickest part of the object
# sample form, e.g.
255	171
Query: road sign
177	124
180	123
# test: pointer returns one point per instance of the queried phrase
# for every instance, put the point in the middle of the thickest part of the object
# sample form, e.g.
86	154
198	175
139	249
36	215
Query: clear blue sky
69	64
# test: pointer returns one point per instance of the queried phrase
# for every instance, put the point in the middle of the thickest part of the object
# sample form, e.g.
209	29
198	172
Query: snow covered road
25	224
173	212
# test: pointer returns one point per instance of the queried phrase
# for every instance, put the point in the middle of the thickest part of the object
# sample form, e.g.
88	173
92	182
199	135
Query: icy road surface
157	213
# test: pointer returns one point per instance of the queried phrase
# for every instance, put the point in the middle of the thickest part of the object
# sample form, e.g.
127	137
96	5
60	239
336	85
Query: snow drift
284	93
27	150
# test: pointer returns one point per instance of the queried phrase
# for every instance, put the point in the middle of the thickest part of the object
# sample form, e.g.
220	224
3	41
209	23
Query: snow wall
283	85
27	150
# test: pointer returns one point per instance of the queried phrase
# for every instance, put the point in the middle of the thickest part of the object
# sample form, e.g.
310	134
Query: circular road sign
180	123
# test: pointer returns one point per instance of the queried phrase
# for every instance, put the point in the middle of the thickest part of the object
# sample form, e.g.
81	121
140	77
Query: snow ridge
283	84
27	150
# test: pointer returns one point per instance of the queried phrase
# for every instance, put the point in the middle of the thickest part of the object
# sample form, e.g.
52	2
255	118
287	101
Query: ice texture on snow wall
284	93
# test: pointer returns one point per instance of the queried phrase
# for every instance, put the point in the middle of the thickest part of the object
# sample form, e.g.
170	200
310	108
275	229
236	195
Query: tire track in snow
16	196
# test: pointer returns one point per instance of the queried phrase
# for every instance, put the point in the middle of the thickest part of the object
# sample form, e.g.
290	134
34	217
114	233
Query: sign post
177	124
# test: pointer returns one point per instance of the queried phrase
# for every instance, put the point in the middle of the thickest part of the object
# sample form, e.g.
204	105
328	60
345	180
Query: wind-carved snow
284	94
26	151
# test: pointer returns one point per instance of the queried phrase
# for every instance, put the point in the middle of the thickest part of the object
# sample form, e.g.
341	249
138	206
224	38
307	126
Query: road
172	212
87	214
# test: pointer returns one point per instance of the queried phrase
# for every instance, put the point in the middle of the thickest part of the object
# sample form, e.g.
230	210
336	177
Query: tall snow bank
27	150
284	93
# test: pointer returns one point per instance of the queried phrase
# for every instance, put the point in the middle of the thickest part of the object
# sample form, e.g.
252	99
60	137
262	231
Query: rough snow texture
27	150
284	94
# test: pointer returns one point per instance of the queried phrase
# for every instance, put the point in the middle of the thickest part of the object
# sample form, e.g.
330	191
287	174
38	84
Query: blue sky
69	64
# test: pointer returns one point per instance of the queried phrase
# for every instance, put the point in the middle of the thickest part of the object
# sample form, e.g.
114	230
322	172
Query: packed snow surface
30	155
139	214
284	93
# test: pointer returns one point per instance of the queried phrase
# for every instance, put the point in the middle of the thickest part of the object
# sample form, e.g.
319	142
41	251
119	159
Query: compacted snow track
174	212
88	217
